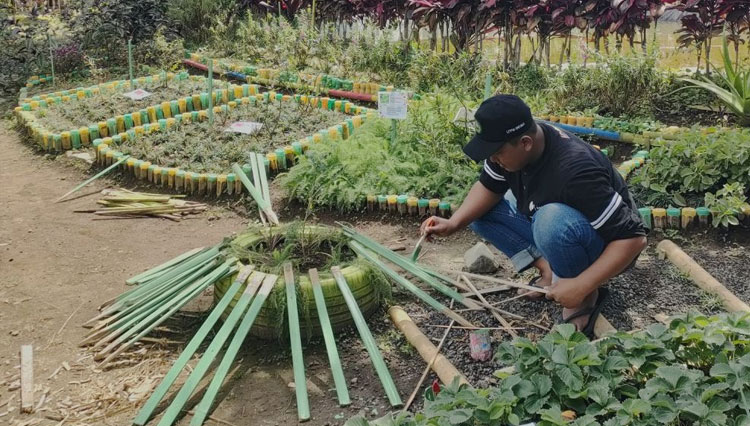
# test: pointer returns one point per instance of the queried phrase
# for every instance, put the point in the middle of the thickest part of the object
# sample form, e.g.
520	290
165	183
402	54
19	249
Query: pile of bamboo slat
122	203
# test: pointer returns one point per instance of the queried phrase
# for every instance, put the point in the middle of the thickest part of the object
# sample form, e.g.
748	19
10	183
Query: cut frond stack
123	203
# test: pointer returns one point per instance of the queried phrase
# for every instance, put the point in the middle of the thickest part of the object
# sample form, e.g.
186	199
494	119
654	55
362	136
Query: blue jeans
557	232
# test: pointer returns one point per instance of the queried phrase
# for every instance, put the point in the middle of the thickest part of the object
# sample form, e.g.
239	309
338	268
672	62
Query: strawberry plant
695	370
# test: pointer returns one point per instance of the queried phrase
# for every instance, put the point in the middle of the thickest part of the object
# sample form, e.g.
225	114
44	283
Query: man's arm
617	255
478	202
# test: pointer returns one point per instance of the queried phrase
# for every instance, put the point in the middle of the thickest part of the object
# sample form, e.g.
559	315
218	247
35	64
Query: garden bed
208	148
101	106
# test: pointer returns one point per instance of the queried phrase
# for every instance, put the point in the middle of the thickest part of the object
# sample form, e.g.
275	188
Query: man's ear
528	142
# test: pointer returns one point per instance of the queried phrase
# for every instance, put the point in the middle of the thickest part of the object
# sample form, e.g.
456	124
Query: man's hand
437	226
570	292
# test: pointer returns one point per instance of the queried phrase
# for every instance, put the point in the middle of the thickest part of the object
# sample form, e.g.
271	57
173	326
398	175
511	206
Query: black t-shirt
572	172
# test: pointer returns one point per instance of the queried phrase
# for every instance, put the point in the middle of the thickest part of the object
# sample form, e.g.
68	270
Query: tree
704	21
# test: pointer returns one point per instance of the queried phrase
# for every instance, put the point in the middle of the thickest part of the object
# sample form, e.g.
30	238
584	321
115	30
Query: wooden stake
429	364
27	378
506	282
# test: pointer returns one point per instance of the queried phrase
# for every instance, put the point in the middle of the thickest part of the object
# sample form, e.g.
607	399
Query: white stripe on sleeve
492	173
614	203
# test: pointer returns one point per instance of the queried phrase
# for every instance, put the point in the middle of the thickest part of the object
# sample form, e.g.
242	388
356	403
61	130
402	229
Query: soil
78	113
726	259
57	267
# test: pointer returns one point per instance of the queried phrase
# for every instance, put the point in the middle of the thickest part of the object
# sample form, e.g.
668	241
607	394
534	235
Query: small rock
14	333
290	385
479	260
354	380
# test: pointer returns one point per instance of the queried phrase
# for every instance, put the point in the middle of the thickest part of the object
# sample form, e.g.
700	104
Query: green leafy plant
424	160
726	204
699	161
734	90
695	370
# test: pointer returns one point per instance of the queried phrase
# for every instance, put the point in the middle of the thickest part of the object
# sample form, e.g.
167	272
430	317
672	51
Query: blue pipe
237	75
602	134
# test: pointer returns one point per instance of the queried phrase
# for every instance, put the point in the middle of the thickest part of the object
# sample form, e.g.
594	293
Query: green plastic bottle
673	218
645	213
704	216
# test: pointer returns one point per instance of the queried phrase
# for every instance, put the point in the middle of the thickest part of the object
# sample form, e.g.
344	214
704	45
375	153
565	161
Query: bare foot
581	321
544	280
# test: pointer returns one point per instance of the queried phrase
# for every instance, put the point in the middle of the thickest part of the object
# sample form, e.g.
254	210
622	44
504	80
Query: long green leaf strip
159	316
298	362
408	285
147	410
170	415
408	266
136	318
369	342
161	269
333	355
201	411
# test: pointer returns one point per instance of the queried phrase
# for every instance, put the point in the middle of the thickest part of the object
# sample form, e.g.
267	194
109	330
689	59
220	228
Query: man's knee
555	223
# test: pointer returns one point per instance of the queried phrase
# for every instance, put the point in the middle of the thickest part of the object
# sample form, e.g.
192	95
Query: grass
102	106
205	148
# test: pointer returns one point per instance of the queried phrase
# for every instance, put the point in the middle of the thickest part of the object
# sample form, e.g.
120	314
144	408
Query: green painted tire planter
368	285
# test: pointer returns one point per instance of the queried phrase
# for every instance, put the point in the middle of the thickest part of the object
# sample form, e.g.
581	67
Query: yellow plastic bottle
144	170
166	109
170	176
120	123
688	217
65	136
103	129
221	182
272	161
157	175
392	203
660	218
84	132
182	105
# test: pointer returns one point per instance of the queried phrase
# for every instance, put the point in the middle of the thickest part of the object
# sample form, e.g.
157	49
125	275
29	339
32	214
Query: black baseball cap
500	119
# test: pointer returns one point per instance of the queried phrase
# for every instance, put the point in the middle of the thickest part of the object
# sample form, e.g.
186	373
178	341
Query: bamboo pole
700	276
429	365
257	195
441	366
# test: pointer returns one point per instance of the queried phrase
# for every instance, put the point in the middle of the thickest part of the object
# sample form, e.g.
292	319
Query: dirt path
58	266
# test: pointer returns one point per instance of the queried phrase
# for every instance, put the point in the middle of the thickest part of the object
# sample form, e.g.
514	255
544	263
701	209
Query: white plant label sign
246	127
392	105
137	94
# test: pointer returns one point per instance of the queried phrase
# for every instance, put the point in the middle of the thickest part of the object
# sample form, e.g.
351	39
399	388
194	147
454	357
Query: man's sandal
592	311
